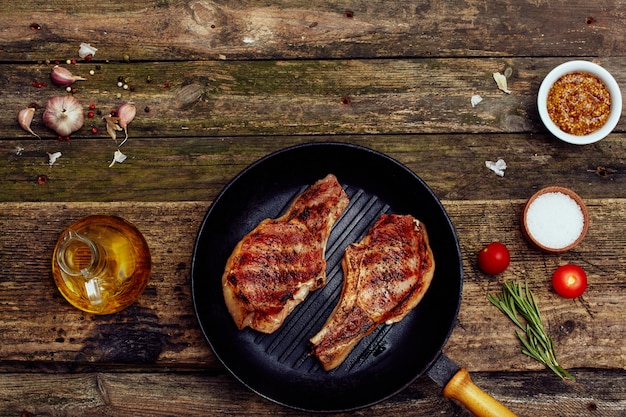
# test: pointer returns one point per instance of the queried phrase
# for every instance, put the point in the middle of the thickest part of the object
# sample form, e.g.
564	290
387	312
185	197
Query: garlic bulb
63	77
25	117
64	115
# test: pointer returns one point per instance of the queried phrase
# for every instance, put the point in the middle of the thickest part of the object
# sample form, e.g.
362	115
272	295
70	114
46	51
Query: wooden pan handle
462	388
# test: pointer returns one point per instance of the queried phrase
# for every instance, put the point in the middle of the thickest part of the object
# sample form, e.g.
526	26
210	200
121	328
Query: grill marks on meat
385	277
274	267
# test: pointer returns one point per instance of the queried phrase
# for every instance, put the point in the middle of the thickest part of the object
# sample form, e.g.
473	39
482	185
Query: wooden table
221	84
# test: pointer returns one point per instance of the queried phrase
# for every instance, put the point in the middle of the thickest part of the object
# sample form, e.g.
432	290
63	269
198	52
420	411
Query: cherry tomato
494	258
569	281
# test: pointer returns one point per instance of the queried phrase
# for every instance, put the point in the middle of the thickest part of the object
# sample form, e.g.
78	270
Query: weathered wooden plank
160	328
178	169
175	30
299	97
164	394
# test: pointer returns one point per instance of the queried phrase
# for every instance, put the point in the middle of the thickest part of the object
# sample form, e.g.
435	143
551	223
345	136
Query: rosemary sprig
536	342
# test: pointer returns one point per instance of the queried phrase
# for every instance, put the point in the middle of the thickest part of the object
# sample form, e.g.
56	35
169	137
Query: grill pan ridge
279	366
289	345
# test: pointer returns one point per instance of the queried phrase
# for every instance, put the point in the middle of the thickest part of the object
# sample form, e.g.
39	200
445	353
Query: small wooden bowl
573	196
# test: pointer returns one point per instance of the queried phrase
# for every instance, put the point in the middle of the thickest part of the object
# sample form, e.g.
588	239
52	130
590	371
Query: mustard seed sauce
579	103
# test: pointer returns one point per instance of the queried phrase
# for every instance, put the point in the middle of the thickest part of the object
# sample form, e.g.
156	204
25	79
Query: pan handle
462	388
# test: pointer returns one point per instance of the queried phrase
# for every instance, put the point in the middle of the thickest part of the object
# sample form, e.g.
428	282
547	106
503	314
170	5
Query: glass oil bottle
101	264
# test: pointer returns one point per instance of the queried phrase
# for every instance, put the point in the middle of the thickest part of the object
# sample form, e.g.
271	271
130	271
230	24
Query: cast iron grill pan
279	366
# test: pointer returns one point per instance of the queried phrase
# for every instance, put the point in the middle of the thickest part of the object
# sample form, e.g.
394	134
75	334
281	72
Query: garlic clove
63	77
63	114
25	118
125	114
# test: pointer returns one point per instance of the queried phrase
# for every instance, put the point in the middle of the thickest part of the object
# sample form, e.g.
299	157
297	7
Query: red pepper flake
166	85
590	20
345	101
92	106
63	138
42	179
88	58
35	26
94	130
348	14
90	114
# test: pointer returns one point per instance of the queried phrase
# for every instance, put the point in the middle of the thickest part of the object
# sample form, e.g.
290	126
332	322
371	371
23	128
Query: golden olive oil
101	264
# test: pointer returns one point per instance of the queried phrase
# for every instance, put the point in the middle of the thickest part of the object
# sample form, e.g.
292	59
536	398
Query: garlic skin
86	49
118	157
24	118
498	167
63	77
52	157
475	99
112	126
124	115
501	82
64	115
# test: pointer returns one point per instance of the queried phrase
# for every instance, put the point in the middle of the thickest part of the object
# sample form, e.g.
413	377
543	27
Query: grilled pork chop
274	267
385	277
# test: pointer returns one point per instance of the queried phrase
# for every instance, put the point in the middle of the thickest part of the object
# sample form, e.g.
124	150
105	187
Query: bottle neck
80	256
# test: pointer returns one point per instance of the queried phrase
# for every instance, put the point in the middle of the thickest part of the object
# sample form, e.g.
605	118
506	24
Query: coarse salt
555	220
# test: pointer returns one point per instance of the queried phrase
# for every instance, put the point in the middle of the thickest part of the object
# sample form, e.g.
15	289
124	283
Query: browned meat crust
385	277
275	266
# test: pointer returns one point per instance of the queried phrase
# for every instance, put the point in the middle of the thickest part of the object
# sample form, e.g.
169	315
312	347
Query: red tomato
494	258
569	281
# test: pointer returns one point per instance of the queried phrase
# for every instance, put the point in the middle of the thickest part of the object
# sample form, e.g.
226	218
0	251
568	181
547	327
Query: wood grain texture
217	86
174	30
160	328
198	168
200	394
225	98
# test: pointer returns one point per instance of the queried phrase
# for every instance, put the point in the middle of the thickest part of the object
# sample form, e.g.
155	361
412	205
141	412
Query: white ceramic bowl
589	68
